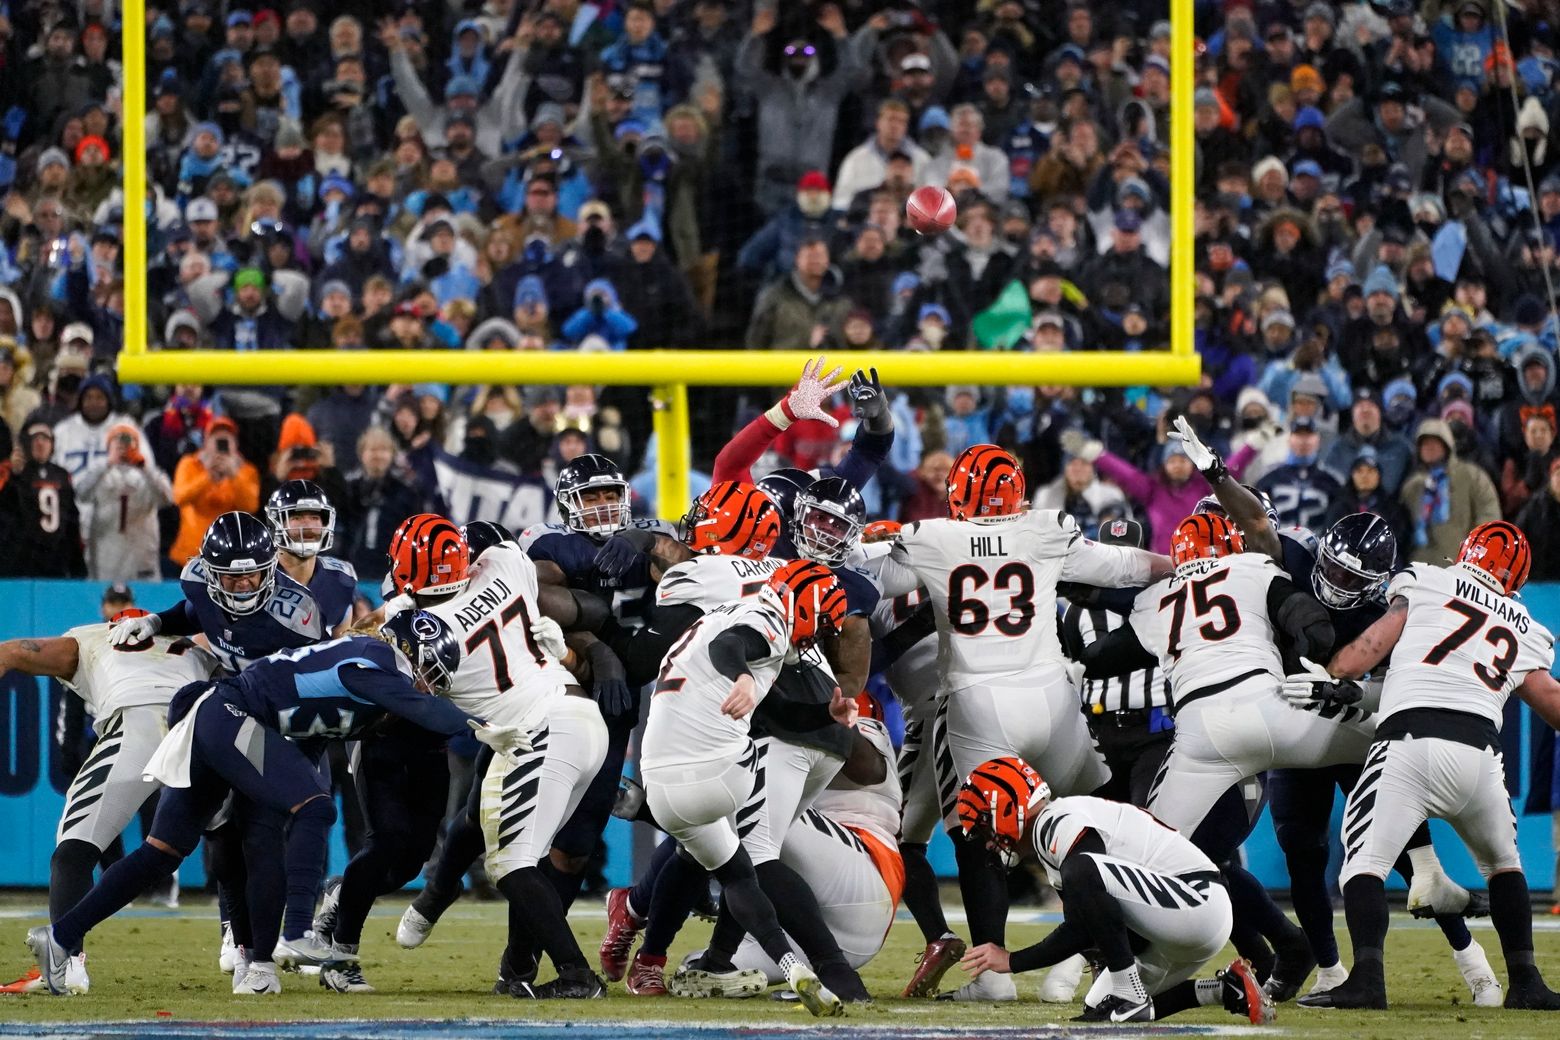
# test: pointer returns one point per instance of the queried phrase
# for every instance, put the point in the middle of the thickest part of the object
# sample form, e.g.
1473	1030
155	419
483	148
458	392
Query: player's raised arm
1243	508
805	400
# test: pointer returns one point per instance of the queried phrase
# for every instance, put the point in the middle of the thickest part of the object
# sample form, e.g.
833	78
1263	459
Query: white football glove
504	740
1076	442
1075	670
395	604
1203	457
549	636
134	630
1314	683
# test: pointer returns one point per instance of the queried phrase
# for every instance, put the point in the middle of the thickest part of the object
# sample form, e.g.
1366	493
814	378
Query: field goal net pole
668	373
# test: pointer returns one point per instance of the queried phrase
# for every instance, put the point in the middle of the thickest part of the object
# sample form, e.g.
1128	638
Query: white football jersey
685	725
711	581
110	678
1464	647
993	586
1129	834
1211	625
873	808
504	676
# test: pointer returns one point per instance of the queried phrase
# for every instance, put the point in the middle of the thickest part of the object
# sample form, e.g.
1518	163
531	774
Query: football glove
134	630
549	636
1206	459
868	402
620	553
504	740
807	398
1315	684
609	682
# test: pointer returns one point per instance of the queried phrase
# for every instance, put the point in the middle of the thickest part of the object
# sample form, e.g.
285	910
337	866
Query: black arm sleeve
1299	617
892	647
1068	938
731	651
178	620
642	650
1117	652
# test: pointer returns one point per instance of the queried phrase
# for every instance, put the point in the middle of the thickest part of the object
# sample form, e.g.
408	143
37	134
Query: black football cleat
1532	996
1363	990
1290	970
1118	1009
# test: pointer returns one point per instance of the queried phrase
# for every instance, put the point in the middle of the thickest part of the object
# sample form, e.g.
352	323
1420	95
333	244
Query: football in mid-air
931	210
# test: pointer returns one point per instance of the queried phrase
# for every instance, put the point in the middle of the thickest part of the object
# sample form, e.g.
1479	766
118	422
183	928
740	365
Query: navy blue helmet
238	546
1355	561
482	535
585	474
783	485
428	643
304	539
829	519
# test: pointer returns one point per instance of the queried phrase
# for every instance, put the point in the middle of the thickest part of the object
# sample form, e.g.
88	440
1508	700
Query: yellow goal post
668	373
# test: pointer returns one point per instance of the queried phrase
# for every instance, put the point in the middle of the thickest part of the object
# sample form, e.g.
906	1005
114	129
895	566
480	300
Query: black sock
70	876
643	893
1365	910
1180	997
726	936
921	897
797	909
1312	902
266	881
1512	916
1252	901
983	884
681	884
119	884
750	908
531	894
362	882
225	865
565	884
463	843
308	833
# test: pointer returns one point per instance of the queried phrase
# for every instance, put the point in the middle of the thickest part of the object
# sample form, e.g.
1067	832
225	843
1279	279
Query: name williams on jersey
1498	605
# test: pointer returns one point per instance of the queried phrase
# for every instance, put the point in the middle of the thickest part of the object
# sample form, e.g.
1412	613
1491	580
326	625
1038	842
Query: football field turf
154	974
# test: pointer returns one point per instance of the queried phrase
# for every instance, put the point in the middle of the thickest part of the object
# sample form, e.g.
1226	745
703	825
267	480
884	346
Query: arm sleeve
731	651
867	452
178	620
1126	476
1065	940
921	623
396	694
736	459
1301	618
643	650
1117	652
1108	566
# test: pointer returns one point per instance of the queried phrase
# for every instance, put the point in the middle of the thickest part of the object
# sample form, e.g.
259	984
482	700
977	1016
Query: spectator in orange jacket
209	482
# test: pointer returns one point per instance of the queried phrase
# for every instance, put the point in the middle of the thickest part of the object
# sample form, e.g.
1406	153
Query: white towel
170	763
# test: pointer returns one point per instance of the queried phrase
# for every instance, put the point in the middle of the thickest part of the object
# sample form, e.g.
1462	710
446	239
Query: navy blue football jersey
862	591
337	689
290	619
632	596
334	588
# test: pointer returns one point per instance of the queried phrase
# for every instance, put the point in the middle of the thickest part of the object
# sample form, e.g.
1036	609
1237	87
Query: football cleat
1532	996
647	975
622	929
693	980
330	910
1061	982
1477	973
258	980
76	980
307	949
811	991
1291	969
32	982
413	929
52	958
932	963
571	984
344	977
1243	995
1116	1009
988	986
229	955
1365	990
1435	894
1328	978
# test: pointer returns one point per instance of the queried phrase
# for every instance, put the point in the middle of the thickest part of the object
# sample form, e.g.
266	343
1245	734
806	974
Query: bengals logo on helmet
813	598
1204	536
428	556
732	518
985	483
1500	550
998	798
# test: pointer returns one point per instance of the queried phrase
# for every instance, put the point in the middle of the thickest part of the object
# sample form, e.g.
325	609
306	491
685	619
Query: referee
1129	716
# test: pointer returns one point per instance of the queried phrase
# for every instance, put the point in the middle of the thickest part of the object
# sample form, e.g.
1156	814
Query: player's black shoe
1291	968
571	984
1532	996
512	974
1118	1009
1364	990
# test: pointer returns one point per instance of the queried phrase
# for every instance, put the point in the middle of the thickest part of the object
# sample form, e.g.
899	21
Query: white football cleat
1061	982
1480	977
988	986
240	968
305	950
344	978
229	957
811	991
1435	893
1328	978
413	930
259	980
76	980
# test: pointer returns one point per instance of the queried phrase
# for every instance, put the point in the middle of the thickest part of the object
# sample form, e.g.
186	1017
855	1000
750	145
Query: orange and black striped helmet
1500	550
732	518
984	484
999	800
811	596
1204	536
428	557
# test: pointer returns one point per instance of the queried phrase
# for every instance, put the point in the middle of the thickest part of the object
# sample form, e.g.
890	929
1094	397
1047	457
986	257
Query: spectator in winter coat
656	293
1300	488
1523	476
772	249
208	482
1364	491
38	508
794	309
866	165
120	496
1445	496
929	499
81	439
601	316
250	321
1390	451
375	503
964	150
1535	372
463	95
1540	521
18	399
1082	495
1389	119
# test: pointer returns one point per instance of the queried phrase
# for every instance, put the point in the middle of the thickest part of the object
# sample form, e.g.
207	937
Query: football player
699	760
235	735
303	525
126	689
1146	899
991	567
1461	644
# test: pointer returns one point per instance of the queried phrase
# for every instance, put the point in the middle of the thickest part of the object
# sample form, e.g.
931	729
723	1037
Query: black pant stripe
104	751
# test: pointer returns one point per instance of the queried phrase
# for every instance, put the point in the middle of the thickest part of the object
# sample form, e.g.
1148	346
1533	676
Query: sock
565	884
70	876
1313	904
642	895
1248	942
797	909
225	847
266	882
307	834
529	892
1512	916
983	884
119	884
361	882
1252	902
680	885
751	909
1127	984
921	897
1209	991
726	936
1187	995
1365	909
463	843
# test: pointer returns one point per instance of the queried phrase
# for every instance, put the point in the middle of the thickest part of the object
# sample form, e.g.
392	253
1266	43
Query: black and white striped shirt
1136	691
